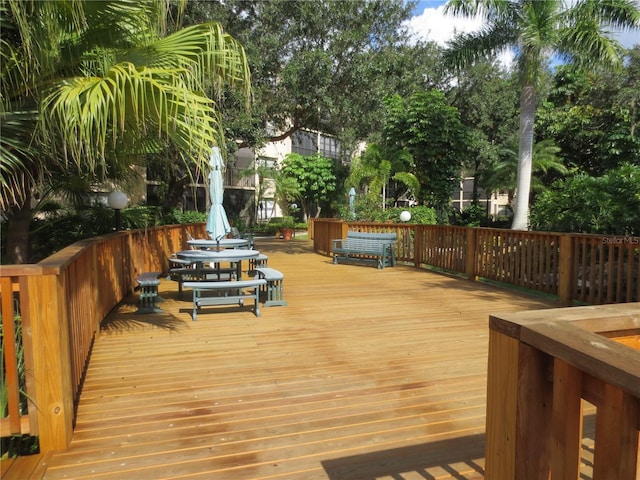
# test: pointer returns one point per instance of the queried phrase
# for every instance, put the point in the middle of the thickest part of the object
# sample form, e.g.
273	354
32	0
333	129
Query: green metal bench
365	247
226	293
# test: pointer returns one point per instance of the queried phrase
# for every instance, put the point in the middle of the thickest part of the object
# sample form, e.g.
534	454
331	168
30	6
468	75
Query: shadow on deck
367	374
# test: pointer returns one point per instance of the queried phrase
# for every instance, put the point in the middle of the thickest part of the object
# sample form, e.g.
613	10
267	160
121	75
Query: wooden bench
226	293
366	247
182	275
274	289
149	297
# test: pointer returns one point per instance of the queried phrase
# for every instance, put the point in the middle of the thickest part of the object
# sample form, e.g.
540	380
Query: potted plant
287	227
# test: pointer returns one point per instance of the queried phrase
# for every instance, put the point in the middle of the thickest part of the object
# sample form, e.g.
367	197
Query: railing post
470	259
345	229
519	410
616	454
565	269
48	310
567	420
418	244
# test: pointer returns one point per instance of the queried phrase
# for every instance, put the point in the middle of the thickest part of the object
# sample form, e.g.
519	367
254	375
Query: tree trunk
18	223
525	155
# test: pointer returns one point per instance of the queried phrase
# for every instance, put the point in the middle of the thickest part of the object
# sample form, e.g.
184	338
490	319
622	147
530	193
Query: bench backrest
370	242
384	237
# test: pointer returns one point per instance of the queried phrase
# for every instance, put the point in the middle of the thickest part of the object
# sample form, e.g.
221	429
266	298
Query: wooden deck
367	374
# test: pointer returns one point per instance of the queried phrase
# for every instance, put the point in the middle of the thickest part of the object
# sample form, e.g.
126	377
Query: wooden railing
61	301
543	367
58	305
591	269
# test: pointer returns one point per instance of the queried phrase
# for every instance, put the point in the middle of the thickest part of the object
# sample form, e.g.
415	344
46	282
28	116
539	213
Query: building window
309	143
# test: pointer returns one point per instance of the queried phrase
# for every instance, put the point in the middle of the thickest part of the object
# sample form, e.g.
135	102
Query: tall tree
431	131
594	118
502	176
323	64
87	86
537	30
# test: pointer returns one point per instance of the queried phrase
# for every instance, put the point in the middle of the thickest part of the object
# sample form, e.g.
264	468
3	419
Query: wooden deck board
367	374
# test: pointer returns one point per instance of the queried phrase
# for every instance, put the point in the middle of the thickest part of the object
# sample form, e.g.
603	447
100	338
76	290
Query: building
496	204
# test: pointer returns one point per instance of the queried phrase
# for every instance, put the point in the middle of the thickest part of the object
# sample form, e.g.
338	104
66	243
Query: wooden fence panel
607	269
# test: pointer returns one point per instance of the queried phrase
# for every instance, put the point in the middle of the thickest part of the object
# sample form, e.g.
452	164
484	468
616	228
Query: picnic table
233	256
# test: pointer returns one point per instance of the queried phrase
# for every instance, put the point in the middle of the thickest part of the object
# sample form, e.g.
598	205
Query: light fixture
405	216
117	200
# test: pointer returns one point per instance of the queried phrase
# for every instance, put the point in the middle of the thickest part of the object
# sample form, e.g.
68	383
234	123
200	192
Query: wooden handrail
542	365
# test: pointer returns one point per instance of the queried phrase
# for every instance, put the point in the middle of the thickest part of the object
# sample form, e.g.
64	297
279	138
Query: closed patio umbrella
352	203
217	222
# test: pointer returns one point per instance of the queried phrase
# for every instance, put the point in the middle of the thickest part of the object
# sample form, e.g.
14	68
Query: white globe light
405	216
117	200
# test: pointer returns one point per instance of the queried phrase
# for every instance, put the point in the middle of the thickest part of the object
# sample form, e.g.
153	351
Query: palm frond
468	48
204	50
133	103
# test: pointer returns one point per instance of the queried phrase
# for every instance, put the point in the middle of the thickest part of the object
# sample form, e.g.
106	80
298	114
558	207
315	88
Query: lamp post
117	200
405	216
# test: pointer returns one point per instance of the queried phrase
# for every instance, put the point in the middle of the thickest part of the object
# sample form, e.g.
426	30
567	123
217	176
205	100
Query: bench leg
148	299
274	292
257	300
195	305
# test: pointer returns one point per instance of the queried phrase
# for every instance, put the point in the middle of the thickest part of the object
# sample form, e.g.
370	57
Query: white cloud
433	25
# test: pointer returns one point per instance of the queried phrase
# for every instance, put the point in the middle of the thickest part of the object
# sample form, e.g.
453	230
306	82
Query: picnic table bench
149	297
226	293
365	247
274	289
182	275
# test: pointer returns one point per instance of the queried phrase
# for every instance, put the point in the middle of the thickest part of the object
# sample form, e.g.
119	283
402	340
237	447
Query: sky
430	23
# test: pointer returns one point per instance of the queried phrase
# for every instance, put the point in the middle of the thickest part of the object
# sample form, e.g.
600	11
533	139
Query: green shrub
583	204
176	216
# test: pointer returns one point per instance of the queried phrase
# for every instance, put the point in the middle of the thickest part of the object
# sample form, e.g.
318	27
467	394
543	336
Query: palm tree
87	87
373	170
503	175
537	30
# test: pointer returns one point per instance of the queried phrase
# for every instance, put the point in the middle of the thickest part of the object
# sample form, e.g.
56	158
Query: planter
287	233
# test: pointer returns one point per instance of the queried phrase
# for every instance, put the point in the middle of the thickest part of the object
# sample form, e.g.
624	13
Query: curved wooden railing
61	301
58	305
591	269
